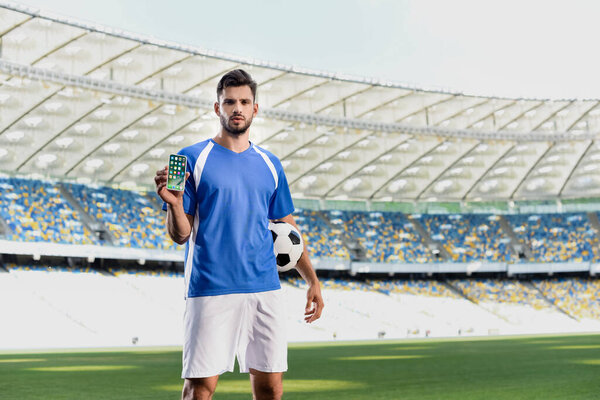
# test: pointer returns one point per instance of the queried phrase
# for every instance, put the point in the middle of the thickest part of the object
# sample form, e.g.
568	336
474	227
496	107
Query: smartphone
176	177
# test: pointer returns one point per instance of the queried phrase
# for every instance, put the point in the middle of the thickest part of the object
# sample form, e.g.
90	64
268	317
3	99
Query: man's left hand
314	303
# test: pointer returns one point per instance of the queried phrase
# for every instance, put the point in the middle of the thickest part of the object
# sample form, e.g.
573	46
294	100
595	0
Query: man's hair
236	78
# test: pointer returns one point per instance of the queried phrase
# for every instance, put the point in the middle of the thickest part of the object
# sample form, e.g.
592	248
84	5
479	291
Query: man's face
236	108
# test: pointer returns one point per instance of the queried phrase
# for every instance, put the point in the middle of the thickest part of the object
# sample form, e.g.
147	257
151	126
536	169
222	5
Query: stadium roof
81	101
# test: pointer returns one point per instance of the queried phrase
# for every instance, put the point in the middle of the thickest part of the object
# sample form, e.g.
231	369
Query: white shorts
250	326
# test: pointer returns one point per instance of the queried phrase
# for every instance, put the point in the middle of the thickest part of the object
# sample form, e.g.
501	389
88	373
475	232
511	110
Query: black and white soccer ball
287	245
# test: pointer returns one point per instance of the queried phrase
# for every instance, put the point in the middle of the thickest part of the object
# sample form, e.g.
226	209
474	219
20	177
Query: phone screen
176	178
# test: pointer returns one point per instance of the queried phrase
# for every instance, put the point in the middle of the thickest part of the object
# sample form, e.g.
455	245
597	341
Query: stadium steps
4	228
94	226
356	250
521	250
429	242
460	293
593	218
456	291
548	300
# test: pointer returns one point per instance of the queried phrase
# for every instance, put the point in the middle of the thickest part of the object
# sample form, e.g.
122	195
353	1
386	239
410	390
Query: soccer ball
287	245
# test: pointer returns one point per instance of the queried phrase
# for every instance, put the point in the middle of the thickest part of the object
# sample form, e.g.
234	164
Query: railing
91	252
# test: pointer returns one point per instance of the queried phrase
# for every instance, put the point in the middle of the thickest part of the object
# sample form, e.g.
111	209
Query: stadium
456	236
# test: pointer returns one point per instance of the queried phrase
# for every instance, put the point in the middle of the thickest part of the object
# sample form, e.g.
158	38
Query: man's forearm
314	304
178	225
314	299
304	267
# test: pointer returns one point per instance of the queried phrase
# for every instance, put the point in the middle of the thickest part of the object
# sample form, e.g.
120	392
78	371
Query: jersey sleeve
189	192
281	204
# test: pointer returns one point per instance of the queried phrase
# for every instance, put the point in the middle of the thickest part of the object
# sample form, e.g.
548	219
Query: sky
525	48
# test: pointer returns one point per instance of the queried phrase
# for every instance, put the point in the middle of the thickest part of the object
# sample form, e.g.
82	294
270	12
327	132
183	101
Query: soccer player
234	304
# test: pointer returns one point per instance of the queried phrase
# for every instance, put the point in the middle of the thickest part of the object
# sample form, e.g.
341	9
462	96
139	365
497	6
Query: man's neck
235	143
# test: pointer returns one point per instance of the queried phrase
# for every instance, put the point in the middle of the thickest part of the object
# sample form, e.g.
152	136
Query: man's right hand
179	224
172	197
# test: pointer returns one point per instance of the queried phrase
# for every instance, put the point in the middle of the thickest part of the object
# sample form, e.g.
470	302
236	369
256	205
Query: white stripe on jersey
189	261
269	164
200	163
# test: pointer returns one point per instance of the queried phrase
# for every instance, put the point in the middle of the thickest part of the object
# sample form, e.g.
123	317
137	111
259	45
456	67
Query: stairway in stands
436	247
4	228
521	250
550	302
355	249
92	224
593	218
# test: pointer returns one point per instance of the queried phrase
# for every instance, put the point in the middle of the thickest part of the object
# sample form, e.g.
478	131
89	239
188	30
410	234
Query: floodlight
15	136
140	168
94	163
64	142
47	158
33	122
150	121
175	139
111	148
102	114
72	50
82	128
196	126
157	153
130	134
53	106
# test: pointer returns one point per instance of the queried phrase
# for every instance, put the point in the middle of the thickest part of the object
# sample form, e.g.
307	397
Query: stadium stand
470	237
500	291
84	307
417	287
557	237
578	297
520	304
386	237
131	218
321	239
35	211
341	284
418	308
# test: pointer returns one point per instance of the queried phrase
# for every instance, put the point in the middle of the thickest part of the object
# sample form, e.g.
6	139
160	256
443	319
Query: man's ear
217	109
255	109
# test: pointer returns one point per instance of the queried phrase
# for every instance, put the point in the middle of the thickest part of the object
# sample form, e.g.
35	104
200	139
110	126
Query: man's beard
235	131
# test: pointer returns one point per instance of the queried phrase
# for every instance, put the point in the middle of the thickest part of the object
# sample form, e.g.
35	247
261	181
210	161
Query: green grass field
534	367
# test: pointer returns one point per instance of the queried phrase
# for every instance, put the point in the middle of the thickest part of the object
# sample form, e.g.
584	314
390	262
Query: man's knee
266	386
268	391
199	389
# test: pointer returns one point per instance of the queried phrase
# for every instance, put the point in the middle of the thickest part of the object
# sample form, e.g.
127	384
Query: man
233	296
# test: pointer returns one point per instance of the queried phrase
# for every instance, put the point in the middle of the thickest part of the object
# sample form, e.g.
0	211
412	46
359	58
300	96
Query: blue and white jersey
232	196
